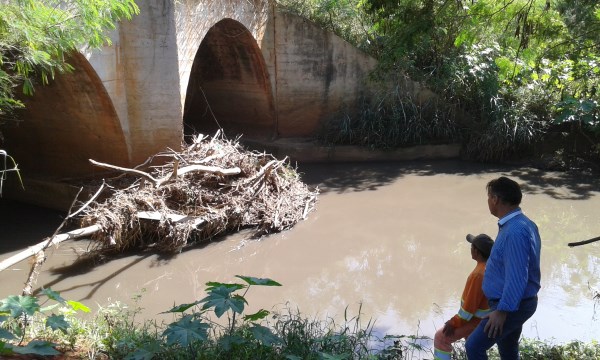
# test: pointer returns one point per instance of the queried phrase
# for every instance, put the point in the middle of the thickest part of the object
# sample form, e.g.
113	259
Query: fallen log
89	230
74	234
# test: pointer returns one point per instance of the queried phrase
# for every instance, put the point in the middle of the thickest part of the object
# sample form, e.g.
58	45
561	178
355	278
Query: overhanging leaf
53	295
181	308
215	285
260	314
77	306
258	281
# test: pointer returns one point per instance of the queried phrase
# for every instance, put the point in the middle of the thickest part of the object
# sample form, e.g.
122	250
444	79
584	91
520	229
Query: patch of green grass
392	119
194	334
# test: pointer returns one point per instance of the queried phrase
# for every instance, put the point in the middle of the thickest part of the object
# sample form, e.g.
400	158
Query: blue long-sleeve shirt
513	268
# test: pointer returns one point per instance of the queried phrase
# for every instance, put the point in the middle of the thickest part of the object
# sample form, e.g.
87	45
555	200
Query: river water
386	238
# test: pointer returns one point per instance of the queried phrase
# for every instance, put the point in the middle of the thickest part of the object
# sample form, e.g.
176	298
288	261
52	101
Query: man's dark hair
506	189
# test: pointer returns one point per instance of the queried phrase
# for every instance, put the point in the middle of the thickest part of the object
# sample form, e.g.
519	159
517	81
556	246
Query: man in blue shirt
512	276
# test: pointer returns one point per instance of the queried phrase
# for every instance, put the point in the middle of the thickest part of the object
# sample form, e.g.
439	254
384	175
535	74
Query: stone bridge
181	67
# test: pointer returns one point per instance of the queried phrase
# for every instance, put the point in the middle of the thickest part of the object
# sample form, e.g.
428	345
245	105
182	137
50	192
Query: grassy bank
217	327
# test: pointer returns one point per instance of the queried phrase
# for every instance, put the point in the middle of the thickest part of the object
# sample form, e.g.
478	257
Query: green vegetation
36	39
37	36
27	328
514	77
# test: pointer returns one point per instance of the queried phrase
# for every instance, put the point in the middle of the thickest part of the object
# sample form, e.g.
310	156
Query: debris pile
210	188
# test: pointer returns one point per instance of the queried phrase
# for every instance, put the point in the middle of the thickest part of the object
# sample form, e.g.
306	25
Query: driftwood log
86	232
33	250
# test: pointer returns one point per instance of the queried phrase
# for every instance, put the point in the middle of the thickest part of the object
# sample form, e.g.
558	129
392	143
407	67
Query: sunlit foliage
517	69
36	37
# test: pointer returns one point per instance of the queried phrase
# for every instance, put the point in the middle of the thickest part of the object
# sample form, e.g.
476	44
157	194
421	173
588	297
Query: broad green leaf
18	305
77	306
216	285
264	335
57	322
181	308
53	295
185	331
260	314
221	299
147	352
228	340
326	356
37	347
6	349
258	281
7	335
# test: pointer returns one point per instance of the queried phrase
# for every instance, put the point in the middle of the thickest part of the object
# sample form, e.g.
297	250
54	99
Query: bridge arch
229	86
67	122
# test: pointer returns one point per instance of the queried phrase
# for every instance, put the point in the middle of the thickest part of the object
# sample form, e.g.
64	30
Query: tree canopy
36	36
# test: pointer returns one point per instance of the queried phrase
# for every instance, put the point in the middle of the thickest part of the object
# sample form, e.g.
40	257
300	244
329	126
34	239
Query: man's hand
495	323
448	329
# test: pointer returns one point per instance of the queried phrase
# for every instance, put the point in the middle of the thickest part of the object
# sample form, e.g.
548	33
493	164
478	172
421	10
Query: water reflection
386	238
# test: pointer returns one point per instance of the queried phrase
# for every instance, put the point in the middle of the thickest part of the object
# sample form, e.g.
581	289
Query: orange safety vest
473	302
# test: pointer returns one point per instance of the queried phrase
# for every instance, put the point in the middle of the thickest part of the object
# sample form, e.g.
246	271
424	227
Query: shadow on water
84	265
343	177
22	225
90	261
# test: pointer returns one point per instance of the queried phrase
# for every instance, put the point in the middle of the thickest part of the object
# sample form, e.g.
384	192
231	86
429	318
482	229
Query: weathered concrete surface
66	123
318	74
140	73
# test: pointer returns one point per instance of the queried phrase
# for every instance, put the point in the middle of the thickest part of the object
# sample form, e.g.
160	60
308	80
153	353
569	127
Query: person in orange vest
473	304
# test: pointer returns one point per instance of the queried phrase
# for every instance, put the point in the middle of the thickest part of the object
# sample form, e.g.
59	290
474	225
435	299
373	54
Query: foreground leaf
181	308
260	314
185	331
77	306
53	295
264	335
6	349
7	335
18	305
145	353
37	347
57	322
211	285
258	281
221	299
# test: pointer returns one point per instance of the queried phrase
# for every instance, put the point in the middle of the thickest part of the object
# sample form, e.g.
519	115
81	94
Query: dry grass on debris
212	187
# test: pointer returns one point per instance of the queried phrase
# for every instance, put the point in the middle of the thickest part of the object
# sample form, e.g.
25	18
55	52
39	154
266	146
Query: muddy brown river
388	238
